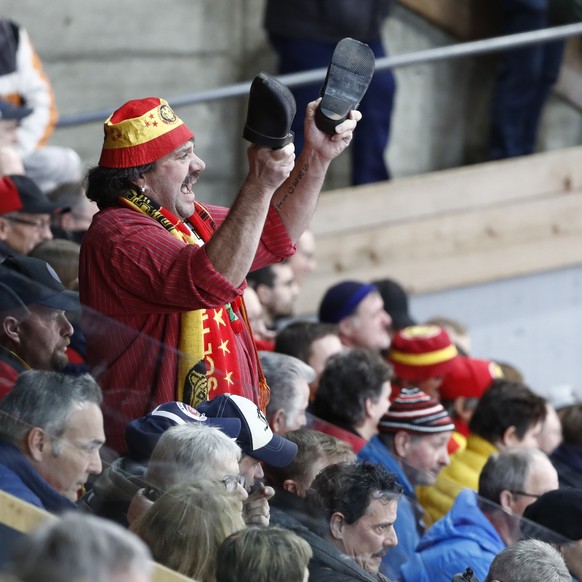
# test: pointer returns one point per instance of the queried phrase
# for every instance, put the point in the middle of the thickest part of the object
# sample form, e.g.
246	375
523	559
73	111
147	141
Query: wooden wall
452	228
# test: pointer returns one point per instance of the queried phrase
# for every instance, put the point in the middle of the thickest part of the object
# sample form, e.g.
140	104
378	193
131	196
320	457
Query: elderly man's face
541	477
369	538
170	182
227	471
369	326
424	456
44	336
22	231
69	460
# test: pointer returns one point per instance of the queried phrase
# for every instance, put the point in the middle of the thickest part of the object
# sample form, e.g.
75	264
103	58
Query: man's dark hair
297	338
503	405
348	380
104	185
349	488
265	276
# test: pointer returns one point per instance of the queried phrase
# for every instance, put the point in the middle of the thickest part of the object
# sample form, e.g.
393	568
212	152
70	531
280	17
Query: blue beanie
342	300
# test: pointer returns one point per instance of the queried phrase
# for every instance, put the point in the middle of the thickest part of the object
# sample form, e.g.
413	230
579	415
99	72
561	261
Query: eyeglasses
525	494
231	482
38	224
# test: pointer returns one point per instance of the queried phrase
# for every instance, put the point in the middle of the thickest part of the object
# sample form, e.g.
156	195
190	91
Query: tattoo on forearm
293	186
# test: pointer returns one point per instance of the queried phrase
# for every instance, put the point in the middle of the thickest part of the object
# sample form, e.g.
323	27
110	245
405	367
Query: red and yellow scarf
208	363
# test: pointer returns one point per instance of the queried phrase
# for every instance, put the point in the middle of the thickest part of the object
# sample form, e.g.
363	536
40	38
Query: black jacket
114	489
326	20
327	563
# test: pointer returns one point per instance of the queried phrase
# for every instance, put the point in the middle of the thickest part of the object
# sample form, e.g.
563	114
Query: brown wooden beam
453	228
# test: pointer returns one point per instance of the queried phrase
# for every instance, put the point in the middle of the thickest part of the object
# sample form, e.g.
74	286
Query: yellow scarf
208	363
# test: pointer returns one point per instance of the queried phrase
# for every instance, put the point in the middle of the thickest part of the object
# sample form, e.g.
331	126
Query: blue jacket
463	537
408	524
18	477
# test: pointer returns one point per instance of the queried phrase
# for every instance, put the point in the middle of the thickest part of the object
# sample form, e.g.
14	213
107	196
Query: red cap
469	377
9	197
419	352
140	132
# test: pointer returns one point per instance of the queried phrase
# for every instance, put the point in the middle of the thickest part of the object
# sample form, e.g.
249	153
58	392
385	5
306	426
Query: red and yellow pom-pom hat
420	352
140	132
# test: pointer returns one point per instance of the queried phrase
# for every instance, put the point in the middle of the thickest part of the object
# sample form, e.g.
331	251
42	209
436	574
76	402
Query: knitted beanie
140	132
468	377
559	512
414	411
420	352
342	300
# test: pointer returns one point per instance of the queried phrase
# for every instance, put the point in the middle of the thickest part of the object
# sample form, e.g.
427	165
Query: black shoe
270	113
347	80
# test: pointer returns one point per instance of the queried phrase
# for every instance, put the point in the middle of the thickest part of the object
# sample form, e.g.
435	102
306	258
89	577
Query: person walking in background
524	81
304	35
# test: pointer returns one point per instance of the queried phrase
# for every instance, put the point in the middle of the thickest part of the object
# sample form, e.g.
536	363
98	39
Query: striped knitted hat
140	132
420	352
415	411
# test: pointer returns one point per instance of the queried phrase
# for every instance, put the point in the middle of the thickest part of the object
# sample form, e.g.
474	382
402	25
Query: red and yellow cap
469	377
419	352
140	132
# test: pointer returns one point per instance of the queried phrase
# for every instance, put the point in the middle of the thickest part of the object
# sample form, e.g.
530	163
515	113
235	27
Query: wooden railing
452	228
23	517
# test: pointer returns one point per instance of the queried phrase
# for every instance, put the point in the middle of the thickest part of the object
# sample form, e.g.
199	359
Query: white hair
79	546
529	560
187	453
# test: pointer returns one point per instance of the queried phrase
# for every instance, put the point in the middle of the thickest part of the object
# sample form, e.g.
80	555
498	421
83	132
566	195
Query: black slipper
270	113
347	80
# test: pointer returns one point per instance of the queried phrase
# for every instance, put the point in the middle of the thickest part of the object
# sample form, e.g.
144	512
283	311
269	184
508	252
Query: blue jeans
373	132
525	78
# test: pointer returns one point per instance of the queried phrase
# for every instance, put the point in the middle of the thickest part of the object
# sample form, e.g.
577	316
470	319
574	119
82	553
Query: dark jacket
114	489
567	459
326	20
327	562
19	478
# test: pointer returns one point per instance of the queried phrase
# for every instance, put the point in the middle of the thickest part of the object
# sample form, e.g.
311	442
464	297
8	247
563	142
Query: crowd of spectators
163	417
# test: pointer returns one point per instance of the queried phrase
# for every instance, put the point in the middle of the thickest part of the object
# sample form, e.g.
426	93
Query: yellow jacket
462	473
